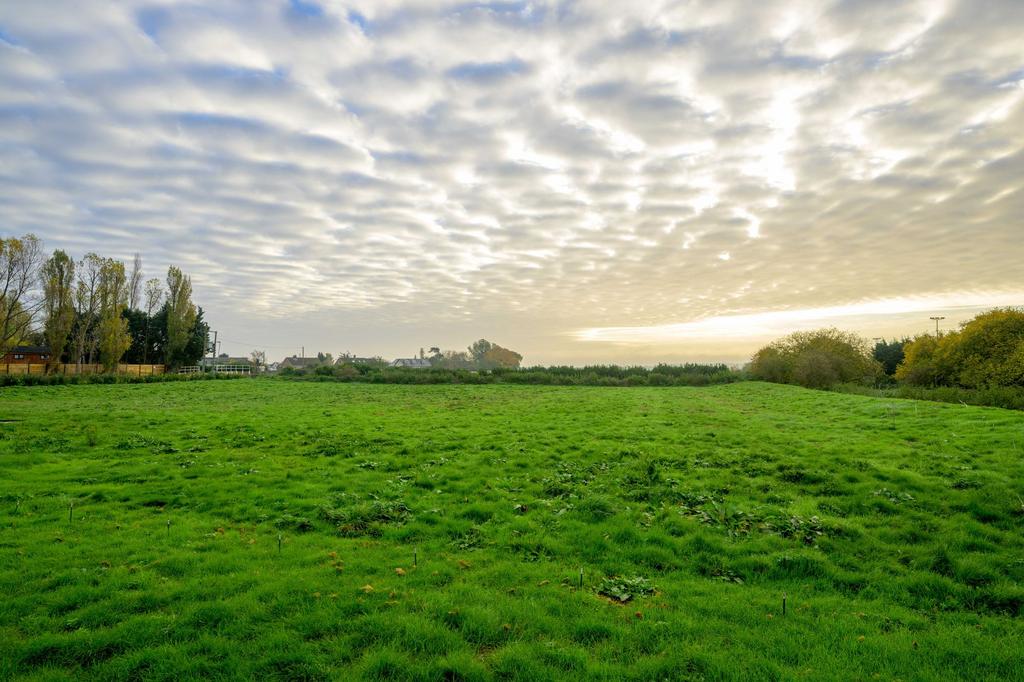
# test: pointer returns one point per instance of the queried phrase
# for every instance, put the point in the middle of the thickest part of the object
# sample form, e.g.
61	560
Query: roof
296	360
417	363
29	349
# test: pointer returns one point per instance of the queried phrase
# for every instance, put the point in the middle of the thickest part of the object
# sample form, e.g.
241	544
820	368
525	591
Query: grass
306	531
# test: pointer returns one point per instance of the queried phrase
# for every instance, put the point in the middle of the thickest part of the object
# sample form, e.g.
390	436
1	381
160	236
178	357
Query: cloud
524	168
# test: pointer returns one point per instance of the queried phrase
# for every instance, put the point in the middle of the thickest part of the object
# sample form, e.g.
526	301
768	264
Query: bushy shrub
987	351
816	359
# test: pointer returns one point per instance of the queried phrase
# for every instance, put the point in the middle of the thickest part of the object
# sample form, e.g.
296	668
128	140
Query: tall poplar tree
114	338
181	314
58	283
86	307
154	294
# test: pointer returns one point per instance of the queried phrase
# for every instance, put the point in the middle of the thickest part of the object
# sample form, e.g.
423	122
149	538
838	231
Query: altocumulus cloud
573	175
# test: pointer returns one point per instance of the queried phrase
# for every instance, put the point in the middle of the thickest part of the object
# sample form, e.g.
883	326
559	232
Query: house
296	362
411	363
225	359
26	355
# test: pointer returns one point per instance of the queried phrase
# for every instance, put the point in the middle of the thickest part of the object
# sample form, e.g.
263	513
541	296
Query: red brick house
26	355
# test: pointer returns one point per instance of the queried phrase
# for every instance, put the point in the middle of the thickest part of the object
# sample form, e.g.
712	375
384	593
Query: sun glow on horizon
746	326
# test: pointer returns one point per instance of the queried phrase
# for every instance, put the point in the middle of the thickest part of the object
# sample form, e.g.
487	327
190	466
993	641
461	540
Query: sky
579	181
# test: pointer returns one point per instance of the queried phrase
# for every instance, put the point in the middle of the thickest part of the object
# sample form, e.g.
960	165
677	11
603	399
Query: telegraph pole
213	348
937	318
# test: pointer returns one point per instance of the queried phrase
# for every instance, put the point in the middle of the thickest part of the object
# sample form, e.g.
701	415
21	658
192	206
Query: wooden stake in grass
581	577
71	511
414	562
783	603
168	528
278	543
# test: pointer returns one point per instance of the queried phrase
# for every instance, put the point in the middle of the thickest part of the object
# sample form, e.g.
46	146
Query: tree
181	316
922	364
198	341
502	357
86	307
890	354
19	272
451	359
769	364
987	351
815	368
114	339
58	284
479	350
135	283
154	293
138	326
816	359
258	358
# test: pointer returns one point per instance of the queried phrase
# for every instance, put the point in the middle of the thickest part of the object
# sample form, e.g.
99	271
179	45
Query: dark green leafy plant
625	589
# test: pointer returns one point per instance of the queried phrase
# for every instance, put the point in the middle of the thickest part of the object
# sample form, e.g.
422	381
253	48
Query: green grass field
438	533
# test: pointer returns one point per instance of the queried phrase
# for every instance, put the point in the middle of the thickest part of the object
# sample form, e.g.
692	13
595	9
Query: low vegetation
982	363
82	379
302	530
595	375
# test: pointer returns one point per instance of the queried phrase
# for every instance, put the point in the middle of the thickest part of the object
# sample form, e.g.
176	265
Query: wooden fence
72	369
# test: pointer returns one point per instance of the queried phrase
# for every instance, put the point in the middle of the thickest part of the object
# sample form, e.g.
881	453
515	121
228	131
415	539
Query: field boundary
71	369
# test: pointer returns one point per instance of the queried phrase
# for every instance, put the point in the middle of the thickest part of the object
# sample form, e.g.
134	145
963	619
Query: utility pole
937	318
213	348
303	352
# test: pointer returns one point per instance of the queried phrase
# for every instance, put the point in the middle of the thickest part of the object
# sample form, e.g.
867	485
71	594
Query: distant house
26	355
296	362
411	363
225	359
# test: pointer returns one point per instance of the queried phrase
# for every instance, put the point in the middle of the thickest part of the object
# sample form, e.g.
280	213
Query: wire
254	345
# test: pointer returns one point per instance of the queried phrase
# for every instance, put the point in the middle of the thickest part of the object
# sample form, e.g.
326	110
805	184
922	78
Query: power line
257	345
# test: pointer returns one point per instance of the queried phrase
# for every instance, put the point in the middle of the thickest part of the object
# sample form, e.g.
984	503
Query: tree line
95	310
482	354
985	353
591	375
